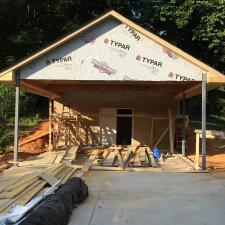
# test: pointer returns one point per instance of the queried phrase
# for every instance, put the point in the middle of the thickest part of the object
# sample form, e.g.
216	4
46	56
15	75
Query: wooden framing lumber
71	154
69	175
49	178
39	89
120	159
88	163
110	159
106	168
171	137
127	158
5	166
28	196
196	162
11	201
34	138
161	135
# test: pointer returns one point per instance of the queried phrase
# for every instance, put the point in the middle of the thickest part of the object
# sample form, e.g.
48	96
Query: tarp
112	51
57	208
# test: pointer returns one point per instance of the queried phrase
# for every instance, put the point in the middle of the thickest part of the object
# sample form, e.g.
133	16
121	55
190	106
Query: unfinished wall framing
150	114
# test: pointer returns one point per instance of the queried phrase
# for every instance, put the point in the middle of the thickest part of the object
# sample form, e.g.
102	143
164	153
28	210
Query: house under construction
114	83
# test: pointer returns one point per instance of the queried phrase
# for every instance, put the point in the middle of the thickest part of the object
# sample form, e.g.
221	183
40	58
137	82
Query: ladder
179	135
62	135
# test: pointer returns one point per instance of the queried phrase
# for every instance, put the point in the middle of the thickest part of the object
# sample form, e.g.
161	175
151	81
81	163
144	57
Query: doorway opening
124	127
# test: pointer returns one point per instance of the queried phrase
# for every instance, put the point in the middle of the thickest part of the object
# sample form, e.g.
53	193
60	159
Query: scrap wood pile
53	157
123	156
21	190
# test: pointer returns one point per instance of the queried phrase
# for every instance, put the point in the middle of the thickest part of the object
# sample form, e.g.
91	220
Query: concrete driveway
152	199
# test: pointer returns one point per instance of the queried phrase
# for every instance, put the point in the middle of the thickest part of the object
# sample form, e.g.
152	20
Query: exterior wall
146	105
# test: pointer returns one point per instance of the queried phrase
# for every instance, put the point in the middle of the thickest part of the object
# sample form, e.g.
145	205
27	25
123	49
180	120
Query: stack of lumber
121	156
112	156
21	190
2	167
53	157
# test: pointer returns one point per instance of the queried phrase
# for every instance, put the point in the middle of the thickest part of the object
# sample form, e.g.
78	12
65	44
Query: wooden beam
189	90
152	132
172	89
196	162
34	138
171	138
39	89
161	136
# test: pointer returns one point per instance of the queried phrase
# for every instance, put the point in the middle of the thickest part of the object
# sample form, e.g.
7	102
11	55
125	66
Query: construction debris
120	157
21	190
57	208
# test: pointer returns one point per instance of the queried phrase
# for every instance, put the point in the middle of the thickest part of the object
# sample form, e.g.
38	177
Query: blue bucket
156	153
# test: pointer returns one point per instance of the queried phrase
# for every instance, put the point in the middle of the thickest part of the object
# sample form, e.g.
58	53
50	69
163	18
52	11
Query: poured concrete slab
118	198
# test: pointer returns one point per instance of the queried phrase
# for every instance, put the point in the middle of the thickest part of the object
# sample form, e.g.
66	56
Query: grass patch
213	122
32	120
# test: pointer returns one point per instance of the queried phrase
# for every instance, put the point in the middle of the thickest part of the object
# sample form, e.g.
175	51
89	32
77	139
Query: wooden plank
69	175
196	162
28	196
171	138
59	157
50	178
71	154
110	159
3	167
137	157
151	133
161	135
34	138
17	191
88	163
142	155
65	173
141	169
106	168
11	201
120	159
21	182
127	158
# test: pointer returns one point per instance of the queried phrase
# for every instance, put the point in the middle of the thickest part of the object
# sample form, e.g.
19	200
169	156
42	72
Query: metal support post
204	80
16	131
183	125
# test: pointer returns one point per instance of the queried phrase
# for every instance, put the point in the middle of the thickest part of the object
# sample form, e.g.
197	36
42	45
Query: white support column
183	125
204	81
16	130
171	137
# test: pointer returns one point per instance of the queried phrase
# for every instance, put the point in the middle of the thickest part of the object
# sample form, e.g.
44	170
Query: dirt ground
215	150
22	156
36	142
215	161
29	146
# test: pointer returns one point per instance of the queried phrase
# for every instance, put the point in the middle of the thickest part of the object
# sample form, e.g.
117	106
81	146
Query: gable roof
213	75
